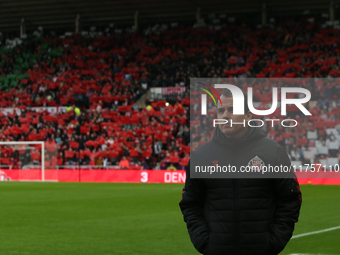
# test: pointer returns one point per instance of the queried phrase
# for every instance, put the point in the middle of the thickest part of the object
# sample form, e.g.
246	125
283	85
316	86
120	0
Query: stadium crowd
96	84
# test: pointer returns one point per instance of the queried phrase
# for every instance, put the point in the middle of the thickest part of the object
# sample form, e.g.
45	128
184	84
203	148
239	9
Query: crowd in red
103	77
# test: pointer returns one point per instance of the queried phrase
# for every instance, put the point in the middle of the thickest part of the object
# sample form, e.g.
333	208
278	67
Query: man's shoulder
264	143
204	147
269	142
271	150
268	145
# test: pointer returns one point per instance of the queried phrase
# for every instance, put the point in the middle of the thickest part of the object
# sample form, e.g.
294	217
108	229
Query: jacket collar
252	134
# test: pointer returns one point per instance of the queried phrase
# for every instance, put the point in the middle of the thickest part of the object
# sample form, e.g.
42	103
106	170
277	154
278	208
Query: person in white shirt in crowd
333	145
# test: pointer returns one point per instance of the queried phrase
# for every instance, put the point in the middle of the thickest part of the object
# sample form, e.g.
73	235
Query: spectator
124	163
171	167
99	161
333	146
297	154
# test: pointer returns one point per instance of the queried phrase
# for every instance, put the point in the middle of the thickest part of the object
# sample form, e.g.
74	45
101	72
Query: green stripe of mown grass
110	218
92	218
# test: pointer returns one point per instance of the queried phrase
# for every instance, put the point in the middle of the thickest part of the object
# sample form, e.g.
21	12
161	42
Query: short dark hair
227	93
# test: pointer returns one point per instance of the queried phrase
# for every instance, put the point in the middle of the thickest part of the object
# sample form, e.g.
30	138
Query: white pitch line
316	232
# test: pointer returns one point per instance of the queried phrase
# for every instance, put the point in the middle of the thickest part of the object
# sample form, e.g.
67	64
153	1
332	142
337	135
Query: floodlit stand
42	153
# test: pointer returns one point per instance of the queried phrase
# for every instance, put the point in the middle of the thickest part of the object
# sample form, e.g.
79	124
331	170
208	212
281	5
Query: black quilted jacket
240	216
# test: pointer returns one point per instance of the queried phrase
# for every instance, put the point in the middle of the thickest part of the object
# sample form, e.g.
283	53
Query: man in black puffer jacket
243	216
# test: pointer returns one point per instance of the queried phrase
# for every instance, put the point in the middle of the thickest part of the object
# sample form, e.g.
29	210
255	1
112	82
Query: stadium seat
4	161
84	130
69	154
134	153
302	141
184	161
51	147
147	154
74	145
174	159
333	162
35	156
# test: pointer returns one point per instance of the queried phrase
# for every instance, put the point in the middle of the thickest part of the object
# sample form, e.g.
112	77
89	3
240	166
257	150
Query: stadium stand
95	82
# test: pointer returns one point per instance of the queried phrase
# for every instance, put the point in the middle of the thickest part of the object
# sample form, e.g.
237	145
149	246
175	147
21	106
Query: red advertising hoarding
137	176
69	175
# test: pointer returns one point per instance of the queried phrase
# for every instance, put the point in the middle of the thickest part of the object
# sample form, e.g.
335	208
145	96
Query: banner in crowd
52	110
172	90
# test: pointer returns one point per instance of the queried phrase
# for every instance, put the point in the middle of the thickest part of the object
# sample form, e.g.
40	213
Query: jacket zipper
236	216
236	208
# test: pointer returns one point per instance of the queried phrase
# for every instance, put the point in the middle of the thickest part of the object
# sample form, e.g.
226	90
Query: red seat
113	154
28	102
147	154
260	75
87	153
4	161
302	141
60	161
186	149
102	154
74	145
100	141
184	161
91	144
291	75
286	135
174	159
51	103
95	128
272	133
70	131
51	147
252	59
161	103
43	132
35	156
24	120
69	154
47	164
64	101
134	153
233	61
84	130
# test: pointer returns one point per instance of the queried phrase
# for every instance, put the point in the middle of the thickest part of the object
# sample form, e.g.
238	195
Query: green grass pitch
111	218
